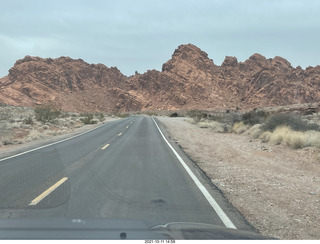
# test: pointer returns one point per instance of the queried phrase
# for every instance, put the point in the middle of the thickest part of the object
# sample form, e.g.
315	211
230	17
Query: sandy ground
276	188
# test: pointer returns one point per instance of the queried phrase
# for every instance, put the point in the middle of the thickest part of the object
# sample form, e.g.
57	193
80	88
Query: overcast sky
137	35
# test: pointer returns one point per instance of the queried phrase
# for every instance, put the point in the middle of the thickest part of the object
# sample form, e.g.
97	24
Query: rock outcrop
189	80
73	85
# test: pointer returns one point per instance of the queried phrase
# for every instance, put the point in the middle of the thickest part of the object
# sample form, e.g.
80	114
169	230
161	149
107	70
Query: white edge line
48	145
224	218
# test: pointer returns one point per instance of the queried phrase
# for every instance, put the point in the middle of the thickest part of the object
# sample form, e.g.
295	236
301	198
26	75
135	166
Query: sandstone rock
189	80
229	62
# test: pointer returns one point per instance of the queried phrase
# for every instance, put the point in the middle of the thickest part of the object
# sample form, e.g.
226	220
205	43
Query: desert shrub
313	138
25	126
293	139
64	115
45	127
100	117
28	121
212	117
197	115
204	124
88	119
175	114
239	127
124	115
296	140
7	142
294	121
149	113
280	134
46	113
218	127
214	125
265	136
254	117
231	118
313	126
254	131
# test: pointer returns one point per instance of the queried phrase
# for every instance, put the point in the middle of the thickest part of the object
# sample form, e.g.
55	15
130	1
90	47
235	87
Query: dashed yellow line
47	192
120	134
104	147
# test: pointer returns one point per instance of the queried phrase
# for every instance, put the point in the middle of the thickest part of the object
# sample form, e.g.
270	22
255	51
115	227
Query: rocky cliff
73	85
189	80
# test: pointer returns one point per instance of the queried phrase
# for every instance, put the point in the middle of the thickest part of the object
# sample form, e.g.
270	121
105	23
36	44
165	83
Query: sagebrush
88	119
294	121
46	113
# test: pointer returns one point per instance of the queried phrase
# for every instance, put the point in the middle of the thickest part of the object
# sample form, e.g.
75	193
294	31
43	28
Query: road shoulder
235	216
274	187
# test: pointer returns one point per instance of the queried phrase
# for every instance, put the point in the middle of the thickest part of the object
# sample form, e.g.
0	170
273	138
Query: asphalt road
121	170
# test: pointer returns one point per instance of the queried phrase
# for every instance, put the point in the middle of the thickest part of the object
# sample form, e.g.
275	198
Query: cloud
140	35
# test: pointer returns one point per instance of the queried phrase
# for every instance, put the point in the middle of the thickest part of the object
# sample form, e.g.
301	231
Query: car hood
116	229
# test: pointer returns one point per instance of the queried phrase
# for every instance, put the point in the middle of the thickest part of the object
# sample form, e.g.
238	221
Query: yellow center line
105	146
47	192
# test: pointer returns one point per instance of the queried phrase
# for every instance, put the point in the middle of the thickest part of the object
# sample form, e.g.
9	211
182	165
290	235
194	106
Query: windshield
177	120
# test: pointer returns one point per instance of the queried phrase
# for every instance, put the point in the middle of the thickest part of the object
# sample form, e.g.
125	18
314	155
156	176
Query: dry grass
280	134
272	188
313	138
214	125
217	127
265	136
254	131
294	139
289	129
240	127
204	124
293	130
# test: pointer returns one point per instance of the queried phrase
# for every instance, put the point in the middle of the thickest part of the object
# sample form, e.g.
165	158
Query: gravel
276	188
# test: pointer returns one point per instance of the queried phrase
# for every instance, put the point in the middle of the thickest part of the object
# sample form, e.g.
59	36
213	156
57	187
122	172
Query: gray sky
137	35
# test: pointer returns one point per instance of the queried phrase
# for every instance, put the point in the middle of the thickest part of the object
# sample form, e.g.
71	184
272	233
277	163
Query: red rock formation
189	80
71	84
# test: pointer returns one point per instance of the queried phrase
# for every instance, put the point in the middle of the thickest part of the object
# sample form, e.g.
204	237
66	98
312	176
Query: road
122	170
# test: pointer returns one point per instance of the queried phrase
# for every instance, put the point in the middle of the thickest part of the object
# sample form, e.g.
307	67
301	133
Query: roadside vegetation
19	125
288	128
46	113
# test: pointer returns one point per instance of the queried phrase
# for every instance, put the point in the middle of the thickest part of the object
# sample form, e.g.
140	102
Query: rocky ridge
189	80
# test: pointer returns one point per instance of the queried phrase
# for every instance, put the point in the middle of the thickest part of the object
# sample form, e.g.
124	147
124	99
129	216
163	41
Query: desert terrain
20	130
274	186
253	127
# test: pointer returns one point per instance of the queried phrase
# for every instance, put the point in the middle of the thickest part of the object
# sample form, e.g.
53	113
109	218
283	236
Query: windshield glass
191	120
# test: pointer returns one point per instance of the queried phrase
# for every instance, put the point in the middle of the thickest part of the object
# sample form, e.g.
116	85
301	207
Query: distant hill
189	80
